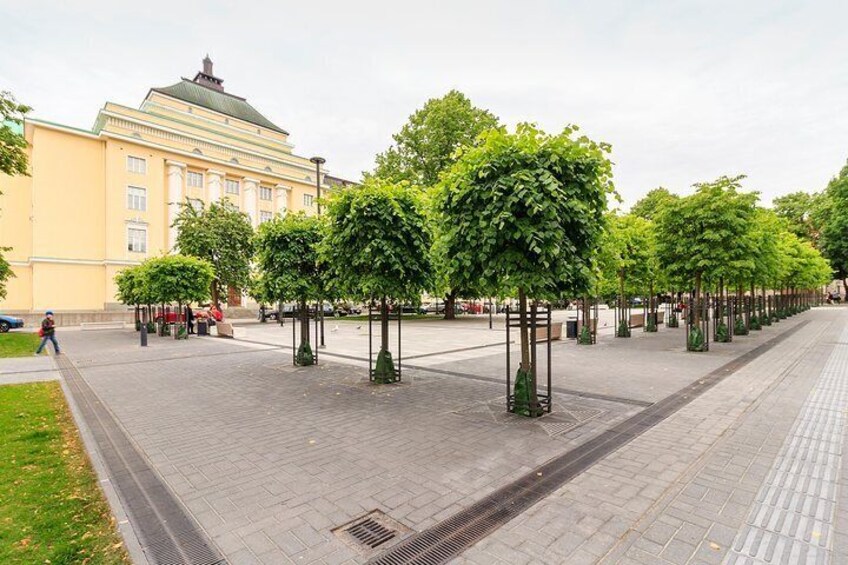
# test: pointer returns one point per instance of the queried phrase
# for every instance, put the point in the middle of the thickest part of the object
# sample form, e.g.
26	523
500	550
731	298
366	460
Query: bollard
144	335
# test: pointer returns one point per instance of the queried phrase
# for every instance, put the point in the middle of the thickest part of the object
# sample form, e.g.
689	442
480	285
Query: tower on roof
206	78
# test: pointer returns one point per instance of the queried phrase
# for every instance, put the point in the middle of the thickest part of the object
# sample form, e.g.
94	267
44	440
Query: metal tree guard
294	326
398	369
622	317
534	317
703	307
591	323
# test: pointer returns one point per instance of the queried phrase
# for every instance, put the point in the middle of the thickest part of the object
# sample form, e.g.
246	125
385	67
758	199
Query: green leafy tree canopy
650	205
13	157
221	235
287	257
178	278
525	210
425	146
377	242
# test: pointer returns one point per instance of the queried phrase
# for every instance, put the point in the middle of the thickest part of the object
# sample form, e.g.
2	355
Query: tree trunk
215	298
384	324
696	311
845	287
522	329
450	305
587	312
304	322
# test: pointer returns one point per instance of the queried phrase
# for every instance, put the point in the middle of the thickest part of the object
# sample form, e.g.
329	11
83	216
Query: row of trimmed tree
164	281
716	240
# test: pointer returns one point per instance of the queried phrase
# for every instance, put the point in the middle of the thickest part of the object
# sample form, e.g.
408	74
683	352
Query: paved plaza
270	460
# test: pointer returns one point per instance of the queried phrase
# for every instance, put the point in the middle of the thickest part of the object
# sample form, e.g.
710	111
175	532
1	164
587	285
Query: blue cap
49	313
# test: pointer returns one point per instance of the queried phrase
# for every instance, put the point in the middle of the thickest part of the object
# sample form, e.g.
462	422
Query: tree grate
450	537
372	532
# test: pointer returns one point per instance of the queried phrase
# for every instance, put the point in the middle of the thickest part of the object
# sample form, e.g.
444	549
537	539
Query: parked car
9	323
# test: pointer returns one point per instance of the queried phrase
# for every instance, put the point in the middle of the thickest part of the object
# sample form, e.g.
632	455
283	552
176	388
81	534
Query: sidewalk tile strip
793	514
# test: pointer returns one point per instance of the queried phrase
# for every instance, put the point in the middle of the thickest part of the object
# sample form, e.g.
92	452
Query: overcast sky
684	91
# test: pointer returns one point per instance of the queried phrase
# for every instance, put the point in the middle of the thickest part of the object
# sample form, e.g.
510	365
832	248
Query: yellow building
99	200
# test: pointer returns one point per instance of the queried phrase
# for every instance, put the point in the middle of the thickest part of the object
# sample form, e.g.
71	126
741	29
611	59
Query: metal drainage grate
449	538
372	532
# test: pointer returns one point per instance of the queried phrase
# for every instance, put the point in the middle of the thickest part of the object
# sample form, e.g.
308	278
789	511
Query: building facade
100	200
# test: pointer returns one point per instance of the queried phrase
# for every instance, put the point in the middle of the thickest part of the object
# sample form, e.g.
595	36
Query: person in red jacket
48	332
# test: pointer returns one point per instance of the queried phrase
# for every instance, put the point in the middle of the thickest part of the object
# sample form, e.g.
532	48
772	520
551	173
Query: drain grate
372	532
449	538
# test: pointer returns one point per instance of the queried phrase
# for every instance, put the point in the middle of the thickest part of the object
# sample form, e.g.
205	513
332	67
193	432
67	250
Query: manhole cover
372	532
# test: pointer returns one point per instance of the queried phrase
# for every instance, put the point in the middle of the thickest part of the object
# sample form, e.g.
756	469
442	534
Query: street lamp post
318	162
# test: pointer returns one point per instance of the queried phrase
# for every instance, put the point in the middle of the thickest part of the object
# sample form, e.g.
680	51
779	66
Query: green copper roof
221	102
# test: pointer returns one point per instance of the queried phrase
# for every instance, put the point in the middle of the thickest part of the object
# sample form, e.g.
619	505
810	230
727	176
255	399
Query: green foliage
585	337
623	329
13	157
384	368
377	242
6	272
765	251
704	234
133	288
696	340
739	327
627	257
834	219
178	278
799	209
222	236
524	211
650	205
425	146
287	258
722	334
304	356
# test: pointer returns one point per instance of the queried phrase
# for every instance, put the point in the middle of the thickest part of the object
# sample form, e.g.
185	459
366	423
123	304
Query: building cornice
307	167
206	158
198	117
60	127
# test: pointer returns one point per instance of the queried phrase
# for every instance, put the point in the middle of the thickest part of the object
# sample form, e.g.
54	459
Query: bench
113	325
225	329
556	332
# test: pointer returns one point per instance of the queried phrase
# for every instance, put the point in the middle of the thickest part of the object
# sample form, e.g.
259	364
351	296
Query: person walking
48	332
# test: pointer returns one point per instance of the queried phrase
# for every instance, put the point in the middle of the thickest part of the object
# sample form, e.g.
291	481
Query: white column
282	199
250	202
213	181
176	174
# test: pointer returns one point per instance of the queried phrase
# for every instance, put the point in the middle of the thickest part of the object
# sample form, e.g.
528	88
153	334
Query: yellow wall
67	223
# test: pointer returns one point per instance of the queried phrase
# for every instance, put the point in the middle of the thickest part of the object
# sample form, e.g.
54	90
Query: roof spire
206	78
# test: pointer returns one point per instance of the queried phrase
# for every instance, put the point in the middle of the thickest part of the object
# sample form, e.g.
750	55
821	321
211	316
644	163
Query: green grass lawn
15	344
51	507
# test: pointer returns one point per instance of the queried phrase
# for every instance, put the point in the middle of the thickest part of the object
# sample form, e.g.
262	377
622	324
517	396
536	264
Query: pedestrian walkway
16	370
272	460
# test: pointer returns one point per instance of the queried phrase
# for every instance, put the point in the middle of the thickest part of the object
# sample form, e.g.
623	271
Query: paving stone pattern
793	516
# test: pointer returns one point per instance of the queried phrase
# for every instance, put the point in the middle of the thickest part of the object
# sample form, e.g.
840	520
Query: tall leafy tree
376	248
628	258
13	157
703	237
764	234
287	259
425	147
800	209
650	205
523	212
834	220
221	235
13	160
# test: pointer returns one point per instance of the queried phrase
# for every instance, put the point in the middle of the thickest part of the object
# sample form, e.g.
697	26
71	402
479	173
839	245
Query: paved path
17	370
271	459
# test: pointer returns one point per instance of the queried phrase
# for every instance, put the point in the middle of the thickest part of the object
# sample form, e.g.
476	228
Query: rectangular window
137	198
232	186
265	216
136	165
194	179
307	200
137	240
265	193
